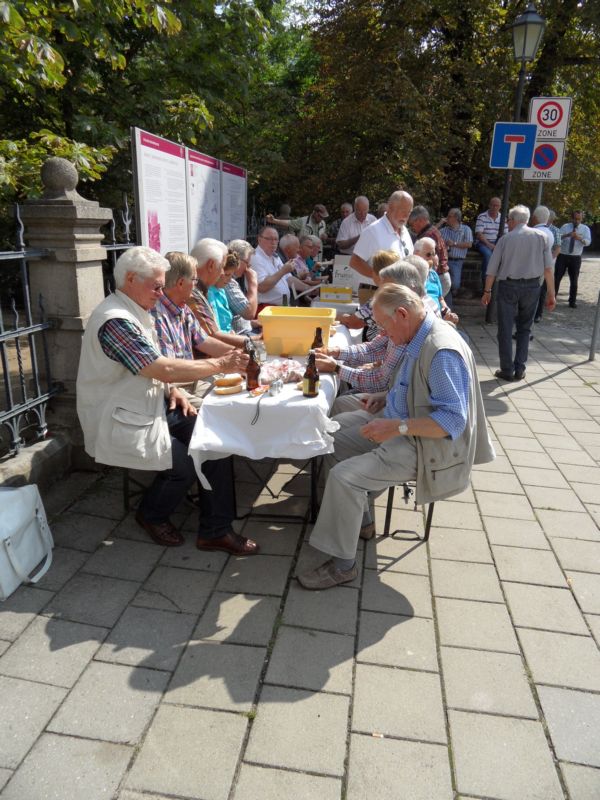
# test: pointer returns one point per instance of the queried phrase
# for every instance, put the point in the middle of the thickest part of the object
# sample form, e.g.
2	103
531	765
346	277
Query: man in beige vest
131	417
430	427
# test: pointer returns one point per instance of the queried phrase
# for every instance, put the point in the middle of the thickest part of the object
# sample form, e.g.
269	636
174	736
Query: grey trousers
359	470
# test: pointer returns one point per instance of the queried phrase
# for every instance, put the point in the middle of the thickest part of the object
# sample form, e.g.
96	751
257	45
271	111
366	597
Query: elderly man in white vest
131	416
430	427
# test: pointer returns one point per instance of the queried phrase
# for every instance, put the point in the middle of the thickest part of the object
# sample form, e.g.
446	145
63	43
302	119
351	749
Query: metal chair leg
388	511
428	521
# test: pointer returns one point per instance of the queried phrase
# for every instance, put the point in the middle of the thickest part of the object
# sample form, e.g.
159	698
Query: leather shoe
572	305
231	543
367	531
519	375
326	576
505	376
163	533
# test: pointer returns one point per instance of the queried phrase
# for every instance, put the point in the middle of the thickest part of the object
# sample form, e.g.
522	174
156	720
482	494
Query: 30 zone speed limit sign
551	115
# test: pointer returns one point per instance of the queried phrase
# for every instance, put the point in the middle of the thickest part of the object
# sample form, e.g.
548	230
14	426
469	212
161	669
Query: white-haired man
519	262
387	233
354	224
432	428
274	277
132	417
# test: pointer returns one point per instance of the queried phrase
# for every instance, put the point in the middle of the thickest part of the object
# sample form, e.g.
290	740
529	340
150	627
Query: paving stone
494	683
496	482
127	795
587	492
573	472
65	563
485	626
499	464
562	659
388	769
238	619
63	492
396	593
220	676
594	623
528	566
4	646
543	607
333	610
287	505
465	580
111	702
593	509
397	702
558	442
516	533
190	752
502	757
148	638
92	599
520	443
300	730
256	575
25	708
567	525
100	501
504	428
52	651
455	545
260	783
583	782
573	719
397	554
20	609
129	529
555	499
5	774
578	457
457	515
514	506
65	768
81	531
522	458
391	640
547	426
172	589
189	557
308	659
274	538
404	520
586	588
577	555
120	558
533	476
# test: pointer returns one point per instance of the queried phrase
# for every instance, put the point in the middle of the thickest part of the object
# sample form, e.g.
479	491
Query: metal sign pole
595	331
540	192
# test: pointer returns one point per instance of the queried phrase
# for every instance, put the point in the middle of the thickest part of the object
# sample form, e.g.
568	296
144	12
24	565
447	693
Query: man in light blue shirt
574	237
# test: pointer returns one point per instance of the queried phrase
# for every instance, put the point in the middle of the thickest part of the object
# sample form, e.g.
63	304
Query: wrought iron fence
26	390
114	248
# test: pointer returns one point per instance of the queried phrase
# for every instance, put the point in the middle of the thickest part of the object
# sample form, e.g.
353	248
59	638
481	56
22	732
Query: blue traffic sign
513	145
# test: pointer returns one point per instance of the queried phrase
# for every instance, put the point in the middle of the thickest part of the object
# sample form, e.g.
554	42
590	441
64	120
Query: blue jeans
169	487
455	266
486	254
517	302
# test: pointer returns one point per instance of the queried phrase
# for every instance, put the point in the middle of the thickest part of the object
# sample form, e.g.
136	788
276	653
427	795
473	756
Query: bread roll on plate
230	379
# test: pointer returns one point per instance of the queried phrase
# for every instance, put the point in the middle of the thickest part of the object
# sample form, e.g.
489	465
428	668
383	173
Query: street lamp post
527	31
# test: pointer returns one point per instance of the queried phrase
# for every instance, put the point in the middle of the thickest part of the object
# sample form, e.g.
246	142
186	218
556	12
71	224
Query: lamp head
527	30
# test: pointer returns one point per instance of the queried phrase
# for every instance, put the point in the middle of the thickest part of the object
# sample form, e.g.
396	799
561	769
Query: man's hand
550	302
380	430
324	363
451	317
289	266
352	321
176	398
235	361
270	218
373	402
486	298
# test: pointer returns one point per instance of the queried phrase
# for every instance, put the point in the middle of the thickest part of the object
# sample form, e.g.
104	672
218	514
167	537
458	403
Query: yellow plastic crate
290	331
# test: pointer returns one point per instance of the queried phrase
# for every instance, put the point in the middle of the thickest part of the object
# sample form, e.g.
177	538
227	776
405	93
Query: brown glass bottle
318	340
310	382
252	371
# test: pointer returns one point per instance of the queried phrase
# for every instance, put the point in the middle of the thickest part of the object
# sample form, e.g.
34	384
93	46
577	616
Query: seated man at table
432	430
274	277
133	417
178	331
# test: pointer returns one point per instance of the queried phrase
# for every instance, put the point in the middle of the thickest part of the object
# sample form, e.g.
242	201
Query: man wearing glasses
388	233
274	277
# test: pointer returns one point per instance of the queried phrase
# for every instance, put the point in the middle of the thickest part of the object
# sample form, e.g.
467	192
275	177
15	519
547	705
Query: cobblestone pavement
468	667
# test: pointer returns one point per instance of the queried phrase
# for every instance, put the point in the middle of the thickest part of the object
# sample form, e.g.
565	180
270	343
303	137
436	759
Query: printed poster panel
233	202
160	182
203	197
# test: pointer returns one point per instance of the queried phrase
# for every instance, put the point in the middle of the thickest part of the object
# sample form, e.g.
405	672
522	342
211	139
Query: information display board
161	196
203	197
233	202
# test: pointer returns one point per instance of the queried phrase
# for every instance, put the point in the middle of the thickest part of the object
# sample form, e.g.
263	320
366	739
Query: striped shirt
203	310
365	312
122	341
488	227
178	331
448	381
238	303
461	234
377	379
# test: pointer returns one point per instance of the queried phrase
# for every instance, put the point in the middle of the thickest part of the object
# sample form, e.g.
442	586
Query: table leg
315	469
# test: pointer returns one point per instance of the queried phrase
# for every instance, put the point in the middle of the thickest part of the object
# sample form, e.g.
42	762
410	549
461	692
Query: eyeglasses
269	238
430	254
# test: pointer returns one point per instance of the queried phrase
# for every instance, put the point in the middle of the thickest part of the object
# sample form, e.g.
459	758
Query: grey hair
243	249
419	212
209	250
399	196
519	214
182	266
288	239
306	237
403	274
542	214
426	241
456	212
361	197
420	265
315	240
347	205
552	215
143	261
392	296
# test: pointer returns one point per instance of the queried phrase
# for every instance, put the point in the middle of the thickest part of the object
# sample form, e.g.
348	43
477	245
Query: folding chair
408	491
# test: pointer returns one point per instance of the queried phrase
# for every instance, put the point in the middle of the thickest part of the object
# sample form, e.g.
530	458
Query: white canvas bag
25	539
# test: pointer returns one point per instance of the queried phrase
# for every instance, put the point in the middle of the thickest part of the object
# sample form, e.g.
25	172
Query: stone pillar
69	278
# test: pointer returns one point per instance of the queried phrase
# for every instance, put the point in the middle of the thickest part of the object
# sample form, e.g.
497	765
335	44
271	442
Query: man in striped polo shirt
487	231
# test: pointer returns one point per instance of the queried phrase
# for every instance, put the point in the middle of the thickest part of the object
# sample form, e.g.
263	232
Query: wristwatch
403	427
337	368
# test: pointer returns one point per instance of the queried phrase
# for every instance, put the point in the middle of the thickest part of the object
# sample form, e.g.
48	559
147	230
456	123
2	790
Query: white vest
122	415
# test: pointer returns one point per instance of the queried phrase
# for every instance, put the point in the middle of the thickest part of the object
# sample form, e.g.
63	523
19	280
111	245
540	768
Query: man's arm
182	370
361	266
492	271
251	293
550	292
213	347
280	223
269	281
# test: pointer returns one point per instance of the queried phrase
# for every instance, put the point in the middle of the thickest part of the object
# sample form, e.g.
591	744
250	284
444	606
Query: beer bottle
318	340
252	371
310	382
285	300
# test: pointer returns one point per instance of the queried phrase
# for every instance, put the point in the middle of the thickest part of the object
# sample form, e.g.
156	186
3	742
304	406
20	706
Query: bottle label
310	388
